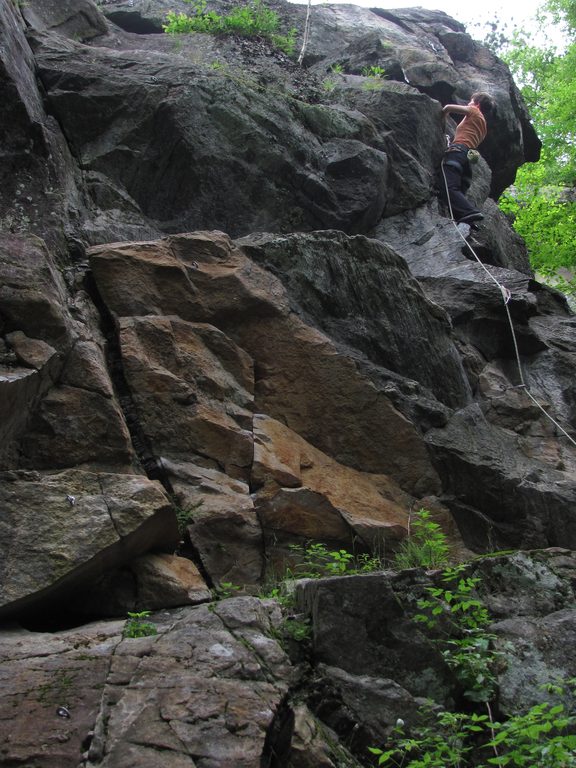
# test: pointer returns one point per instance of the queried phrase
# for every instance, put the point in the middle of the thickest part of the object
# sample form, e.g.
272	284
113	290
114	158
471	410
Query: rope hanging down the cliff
306	33
506	296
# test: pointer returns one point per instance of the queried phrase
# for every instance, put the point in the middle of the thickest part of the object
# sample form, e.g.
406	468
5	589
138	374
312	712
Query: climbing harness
472	154
506	297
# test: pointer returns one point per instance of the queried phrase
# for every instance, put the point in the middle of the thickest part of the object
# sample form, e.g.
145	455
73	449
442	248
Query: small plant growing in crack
185	516
137	626
298	629
57	689
315	561
225	589
425	546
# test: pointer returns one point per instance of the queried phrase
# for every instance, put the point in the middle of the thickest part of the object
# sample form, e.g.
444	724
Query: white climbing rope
306	33
506	297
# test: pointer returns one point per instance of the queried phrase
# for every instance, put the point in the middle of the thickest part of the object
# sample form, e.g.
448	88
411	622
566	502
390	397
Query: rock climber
470	133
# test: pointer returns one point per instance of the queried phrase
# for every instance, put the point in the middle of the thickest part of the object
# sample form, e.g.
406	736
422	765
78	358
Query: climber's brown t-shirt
472	130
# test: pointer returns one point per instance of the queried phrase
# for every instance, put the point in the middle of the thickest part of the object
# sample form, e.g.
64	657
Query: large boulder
206	278
147	122
77	525
206	689
73	19
149	582
205	124
204	332
222	338
303	495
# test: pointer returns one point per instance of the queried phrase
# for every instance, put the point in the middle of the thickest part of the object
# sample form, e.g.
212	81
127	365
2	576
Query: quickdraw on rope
506	297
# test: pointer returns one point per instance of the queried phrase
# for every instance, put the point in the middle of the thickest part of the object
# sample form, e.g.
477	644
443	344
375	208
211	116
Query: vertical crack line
278	741
105	500
150	463
98	742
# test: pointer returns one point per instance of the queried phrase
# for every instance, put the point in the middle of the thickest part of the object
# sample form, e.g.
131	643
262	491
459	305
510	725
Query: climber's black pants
458	177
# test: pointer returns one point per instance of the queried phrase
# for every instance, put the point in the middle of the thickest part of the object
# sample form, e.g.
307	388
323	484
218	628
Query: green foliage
136	626
546	80
315	560
563	12
185	515
299	630
542	737
466	644
425	546
375	76
374	71
251	20
445	744
367	563
200	20
279	593
547	224
328	84
537	204
226	589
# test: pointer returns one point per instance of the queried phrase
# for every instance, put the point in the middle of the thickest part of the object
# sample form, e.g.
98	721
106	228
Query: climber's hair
485	102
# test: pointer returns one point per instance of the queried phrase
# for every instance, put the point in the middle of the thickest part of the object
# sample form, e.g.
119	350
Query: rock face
203	691
374	665
151	121
262	381
72	525
211	371
213	686
234	320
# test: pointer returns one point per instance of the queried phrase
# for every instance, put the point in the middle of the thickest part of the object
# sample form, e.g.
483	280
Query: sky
512	10
519	13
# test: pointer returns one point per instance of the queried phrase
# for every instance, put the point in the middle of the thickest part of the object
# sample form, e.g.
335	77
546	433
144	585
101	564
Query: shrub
298	629
547	223
466	647
253	19
542	737
425	546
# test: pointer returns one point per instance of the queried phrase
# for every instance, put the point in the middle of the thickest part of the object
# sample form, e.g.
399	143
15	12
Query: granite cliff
234	317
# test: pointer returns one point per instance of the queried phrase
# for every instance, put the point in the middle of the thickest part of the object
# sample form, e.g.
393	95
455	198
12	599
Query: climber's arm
460	109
